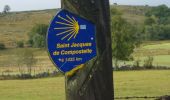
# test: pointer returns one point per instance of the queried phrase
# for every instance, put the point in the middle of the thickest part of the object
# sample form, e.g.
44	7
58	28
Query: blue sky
25	5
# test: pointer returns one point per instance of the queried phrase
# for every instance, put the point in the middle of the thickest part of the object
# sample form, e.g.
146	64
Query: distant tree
38	41
146	5
124	39
149	31
115	4
150	21
37	35
158	32
40	29
157	27
161	11
7	9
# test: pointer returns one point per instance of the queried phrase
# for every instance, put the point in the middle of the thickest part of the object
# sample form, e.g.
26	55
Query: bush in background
20	44
2	46
148	63
37	36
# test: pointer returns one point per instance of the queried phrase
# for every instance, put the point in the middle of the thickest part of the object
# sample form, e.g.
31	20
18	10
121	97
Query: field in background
159	50
133	14
126	83
16	25
9	65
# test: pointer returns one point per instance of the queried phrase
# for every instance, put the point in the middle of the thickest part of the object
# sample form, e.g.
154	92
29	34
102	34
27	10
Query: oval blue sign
70	41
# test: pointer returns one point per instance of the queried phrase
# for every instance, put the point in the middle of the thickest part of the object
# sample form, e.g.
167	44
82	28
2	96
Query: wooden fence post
95	80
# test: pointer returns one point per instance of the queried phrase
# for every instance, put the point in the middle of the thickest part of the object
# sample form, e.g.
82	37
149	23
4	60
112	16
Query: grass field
8	60
142	83
159	50
127	84
38	89
133	14
16	25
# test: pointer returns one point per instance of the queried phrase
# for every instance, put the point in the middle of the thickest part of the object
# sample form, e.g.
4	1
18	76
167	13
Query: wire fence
136	98
166	97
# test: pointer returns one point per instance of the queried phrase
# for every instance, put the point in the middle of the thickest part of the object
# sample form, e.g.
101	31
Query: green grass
142	83
159	60
159	50
127	84
157	46
38	89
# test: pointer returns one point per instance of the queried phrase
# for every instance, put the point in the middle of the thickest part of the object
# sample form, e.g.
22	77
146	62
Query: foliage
158	32
2	46
150	21
40	29
159	11
115	11
148	63
137	64
157	23
124	38
39	41
20	44
37	36
7	9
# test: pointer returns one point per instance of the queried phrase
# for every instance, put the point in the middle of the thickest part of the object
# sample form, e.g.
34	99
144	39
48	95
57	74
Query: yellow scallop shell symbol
70	29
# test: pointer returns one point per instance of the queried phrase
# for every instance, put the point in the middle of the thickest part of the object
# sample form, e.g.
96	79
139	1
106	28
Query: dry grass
15	26
8	61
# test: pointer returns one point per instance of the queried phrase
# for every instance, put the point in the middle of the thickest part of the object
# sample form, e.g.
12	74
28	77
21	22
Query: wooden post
95	80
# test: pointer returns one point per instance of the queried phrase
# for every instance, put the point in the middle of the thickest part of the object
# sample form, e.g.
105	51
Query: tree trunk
95	80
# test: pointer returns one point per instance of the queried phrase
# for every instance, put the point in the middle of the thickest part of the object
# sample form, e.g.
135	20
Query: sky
26	5
142	2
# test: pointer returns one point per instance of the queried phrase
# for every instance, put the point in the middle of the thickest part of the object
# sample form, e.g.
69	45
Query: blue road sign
70	40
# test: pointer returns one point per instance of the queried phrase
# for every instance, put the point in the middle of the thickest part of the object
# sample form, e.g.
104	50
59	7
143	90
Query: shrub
2	46
136	64
37	36
20	44
148	63
39	41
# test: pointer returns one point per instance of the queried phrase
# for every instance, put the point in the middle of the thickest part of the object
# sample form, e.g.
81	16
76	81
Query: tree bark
95	80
